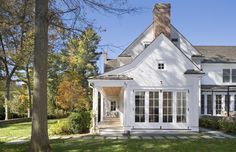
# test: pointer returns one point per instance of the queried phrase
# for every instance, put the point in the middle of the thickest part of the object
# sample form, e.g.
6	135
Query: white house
158	81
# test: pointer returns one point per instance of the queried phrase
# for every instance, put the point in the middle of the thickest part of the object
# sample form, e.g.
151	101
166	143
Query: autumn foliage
71	96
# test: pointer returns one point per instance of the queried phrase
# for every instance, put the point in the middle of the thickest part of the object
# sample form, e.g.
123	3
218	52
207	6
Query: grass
19	129
132	145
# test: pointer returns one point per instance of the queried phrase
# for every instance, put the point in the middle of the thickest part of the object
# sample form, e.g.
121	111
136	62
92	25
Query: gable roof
140	56
128	52
218	54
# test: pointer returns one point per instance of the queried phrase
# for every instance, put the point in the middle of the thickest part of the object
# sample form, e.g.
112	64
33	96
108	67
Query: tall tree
83	55
75	9
39	135
16	19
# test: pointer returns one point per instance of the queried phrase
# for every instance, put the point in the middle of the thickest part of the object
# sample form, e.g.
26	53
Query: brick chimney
161	19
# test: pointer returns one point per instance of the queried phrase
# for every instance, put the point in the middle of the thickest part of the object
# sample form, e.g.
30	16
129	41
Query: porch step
110	123
153	131
112	131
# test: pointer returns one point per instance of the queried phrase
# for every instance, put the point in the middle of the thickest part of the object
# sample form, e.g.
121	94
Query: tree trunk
39	134
7	97
28	91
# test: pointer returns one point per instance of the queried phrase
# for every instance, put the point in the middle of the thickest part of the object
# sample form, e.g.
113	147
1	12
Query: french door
160	107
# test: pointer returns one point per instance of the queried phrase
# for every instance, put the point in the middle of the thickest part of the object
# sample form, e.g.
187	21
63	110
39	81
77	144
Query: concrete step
118	131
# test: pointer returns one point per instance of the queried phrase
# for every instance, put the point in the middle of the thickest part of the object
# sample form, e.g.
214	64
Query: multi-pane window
202	103
167	106
181	107
227	99
233	75
209	104
140	106
226	75
218	104
161	66
113	106
153	106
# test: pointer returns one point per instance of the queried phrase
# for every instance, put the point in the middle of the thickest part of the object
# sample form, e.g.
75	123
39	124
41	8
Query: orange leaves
71	96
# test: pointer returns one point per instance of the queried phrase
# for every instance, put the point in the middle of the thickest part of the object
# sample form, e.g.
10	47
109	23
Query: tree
24	72
39	135
56	69
83	55
16	19
71	95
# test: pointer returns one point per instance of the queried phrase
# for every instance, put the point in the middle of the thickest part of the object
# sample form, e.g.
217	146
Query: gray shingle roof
111	65
218	54
192	71
112	77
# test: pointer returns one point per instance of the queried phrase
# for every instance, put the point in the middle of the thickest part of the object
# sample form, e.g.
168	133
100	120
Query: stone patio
203	134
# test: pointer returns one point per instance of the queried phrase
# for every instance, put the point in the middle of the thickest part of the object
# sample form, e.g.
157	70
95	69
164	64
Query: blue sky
202	22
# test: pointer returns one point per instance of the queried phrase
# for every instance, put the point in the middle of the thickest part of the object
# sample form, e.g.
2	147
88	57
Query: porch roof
111	77
218	88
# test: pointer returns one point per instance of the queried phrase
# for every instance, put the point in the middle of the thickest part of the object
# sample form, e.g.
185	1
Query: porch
108	103
218	100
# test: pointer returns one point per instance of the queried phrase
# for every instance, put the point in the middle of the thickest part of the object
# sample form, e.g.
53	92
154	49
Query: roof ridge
214	45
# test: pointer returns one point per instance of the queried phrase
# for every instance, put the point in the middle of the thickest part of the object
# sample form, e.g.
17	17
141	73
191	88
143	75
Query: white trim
144	53
161	125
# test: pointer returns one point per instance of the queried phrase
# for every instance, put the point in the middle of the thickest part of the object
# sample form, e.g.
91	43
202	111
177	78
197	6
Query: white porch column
128	109
95	109
102	113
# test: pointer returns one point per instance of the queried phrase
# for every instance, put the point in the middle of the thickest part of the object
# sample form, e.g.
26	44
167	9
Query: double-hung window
226	75
234	75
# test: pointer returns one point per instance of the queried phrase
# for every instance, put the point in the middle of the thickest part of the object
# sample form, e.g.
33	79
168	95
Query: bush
209	122
226	124
57	114
61	127
79	122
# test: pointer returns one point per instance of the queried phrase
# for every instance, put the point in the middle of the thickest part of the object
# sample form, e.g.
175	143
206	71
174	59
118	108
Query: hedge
226	124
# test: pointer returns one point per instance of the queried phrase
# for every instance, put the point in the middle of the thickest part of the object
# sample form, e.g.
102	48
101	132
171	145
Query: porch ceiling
112	91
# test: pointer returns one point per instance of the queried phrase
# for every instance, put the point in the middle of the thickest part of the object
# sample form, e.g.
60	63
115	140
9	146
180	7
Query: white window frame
221	103
163	66
146	44
223	75
181	106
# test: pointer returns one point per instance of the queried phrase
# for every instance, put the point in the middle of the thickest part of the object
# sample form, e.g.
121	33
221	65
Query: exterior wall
146	76
214	72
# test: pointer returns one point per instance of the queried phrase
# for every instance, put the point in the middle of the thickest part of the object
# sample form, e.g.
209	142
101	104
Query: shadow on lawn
144	145
92	145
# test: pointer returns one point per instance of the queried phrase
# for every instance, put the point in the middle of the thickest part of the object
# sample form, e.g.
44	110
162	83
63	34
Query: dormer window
161	66
146	44
174	40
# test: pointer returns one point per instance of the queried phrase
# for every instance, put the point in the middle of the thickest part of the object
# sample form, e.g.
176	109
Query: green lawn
131	145
93	145
19	129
